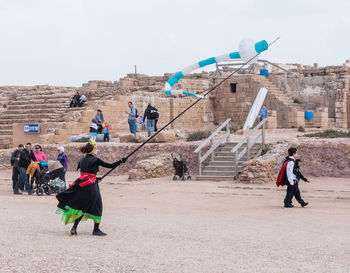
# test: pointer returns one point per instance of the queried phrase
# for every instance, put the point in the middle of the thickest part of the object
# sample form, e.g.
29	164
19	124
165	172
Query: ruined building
323	90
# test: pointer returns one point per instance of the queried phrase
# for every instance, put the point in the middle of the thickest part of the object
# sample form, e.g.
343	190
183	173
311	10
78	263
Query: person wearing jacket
99	119
14	162
298	176
63	159
82	200
26	157
151	114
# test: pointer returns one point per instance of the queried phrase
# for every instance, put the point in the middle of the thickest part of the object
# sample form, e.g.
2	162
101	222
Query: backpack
282	175
153	113
136	113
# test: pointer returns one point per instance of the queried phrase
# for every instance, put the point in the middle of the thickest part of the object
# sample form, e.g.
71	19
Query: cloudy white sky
68	42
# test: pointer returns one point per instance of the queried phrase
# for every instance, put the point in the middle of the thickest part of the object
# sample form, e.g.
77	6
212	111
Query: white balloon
247	51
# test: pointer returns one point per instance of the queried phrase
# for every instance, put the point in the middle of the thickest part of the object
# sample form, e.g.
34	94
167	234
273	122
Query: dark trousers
106	137
15	174
23	178
293	190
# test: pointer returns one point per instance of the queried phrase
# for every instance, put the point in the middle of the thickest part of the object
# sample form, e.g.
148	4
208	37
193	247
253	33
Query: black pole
184	111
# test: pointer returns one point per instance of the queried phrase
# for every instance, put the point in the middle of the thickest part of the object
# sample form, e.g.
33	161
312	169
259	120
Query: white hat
61	148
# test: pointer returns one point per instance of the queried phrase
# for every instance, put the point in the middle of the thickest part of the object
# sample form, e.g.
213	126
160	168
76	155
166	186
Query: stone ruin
323	90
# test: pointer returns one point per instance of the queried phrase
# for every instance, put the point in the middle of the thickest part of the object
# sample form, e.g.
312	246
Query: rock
156	166
264	169
126	138
163	137
79	138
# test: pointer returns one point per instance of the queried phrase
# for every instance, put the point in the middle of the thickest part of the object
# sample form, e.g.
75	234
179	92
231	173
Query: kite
248	53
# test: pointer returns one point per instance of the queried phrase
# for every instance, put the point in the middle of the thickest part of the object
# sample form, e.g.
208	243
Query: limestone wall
111	152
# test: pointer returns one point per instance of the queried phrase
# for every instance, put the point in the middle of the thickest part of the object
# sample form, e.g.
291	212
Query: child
105	131
143	125
93	129
298	175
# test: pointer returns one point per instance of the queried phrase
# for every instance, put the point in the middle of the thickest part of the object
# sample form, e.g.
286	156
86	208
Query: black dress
83	197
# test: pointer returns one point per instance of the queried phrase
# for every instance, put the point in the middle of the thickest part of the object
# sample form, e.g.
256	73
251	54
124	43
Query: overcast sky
68	42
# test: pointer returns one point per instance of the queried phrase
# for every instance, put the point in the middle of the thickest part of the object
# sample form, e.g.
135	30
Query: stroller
49	179
180	168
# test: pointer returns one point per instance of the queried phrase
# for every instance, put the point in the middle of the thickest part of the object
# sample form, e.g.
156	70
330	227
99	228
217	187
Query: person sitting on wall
75	100
263	113
82	100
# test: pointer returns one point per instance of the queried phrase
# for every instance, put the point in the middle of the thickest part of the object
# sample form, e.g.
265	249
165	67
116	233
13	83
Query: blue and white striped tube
247	49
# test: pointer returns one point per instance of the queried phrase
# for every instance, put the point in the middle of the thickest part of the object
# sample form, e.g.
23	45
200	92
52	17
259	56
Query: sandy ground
164	226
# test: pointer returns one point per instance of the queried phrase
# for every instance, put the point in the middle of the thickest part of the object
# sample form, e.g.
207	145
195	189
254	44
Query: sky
69	42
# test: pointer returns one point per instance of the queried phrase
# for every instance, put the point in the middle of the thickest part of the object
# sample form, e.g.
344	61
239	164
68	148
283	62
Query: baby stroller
180	168
49	179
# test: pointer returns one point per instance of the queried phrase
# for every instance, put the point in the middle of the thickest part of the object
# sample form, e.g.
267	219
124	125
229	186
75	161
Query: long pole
189	107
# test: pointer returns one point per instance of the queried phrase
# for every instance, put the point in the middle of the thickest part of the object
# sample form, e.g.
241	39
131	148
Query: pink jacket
40	156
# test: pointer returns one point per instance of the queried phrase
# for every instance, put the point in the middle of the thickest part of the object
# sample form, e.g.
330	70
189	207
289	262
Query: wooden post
263	137
199	162
248	148
228	130
236	164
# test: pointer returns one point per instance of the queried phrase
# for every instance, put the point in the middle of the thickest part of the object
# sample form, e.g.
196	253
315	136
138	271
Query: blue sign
33	128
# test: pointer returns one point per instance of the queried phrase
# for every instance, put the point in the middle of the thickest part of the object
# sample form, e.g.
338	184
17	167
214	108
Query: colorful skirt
82	199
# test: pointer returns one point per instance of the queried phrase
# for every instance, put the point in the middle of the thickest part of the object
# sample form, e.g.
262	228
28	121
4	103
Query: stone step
33	116
222	168
218	173
215	163
41	106
253	150
6	132
36	111
30	101
46	96
214	178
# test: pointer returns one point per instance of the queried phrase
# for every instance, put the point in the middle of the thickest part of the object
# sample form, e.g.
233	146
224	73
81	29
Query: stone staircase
222	166
287	110
35	105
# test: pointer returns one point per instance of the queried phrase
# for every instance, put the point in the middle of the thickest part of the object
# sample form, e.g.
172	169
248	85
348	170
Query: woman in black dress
82	200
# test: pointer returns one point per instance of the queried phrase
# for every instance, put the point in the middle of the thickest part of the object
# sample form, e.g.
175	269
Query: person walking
63	159
82	200
14	163
151	114
25	159
132	118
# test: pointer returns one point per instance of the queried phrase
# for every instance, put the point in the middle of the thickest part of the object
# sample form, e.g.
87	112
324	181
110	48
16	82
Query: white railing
226	137
250	143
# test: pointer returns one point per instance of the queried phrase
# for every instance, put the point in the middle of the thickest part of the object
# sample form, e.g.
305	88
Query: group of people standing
151	114
24	161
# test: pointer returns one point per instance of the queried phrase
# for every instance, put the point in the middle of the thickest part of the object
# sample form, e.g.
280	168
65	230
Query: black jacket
90	164
26	158
150	113
298	174
15	154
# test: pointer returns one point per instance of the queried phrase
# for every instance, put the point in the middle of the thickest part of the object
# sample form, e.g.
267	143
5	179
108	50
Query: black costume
82	200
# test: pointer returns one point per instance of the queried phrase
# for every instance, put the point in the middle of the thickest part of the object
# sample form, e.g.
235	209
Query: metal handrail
205	142
247	136
250	144
213	146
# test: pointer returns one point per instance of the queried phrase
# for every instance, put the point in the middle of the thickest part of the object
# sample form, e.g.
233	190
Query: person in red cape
82	200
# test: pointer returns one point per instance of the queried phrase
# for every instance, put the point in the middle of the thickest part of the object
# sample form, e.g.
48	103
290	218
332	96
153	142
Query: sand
164	226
